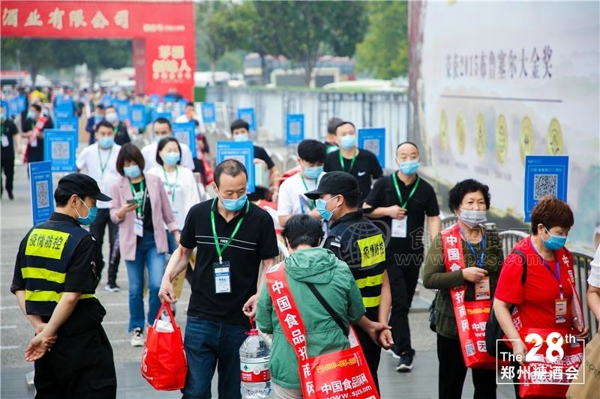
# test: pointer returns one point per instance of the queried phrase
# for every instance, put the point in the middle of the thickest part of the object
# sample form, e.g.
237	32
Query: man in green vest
54	281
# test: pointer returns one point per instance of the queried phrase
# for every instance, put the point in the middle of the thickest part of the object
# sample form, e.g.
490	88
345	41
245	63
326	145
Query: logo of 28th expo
558	364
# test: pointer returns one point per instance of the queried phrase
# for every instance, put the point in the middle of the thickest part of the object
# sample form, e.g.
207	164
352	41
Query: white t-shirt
149	153
101	165
291	195
594	278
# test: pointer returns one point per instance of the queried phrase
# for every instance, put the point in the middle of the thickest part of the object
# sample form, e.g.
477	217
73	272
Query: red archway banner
163	33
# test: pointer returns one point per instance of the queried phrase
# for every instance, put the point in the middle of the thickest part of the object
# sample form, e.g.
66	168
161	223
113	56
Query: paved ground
15	330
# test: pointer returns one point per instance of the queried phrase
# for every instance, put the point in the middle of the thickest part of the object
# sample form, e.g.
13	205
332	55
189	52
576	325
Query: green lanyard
351	163
312	202
103	167
220	249
172	186
141	203
395	179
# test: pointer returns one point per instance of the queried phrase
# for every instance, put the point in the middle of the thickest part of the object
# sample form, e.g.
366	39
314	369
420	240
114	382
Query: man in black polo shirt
402	201
121	134
360	243
362	164
9	134
232	237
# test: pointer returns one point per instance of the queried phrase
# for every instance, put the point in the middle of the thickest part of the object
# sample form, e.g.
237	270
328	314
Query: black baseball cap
335	183
82	185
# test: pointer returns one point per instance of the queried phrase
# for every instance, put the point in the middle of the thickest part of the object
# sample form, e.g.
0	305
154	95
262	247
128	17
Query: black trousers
372	353
97	228
403	282
452	372
78	367
8	168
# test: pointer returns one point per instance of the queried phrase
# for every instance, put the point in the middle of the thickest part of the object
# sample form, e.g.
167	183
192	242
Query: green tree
102	54
384	51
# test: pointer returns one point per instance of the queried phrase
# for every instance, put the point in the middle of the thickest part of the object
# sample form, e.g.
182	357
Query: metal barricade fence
581	267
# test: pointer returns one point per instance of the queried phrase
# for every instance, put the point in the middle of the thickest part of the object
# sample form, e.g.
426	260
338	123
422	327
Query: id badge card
399	227
138	227
5	141
560	310
33	142
222	277
482	289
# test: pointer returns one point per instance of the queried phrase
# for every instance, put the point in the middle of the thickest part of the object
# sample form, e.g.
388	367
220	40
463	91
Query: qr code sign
372	145
42	195
60	150
544	185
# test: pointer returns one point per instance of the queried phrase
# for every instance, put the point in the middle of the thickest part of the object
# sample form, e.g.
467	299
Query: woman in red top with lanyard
545	301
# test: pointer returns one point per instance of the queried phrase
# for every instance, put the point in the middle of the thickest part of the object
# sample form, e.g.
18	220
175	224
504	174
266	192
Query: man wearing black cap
359	242
54	282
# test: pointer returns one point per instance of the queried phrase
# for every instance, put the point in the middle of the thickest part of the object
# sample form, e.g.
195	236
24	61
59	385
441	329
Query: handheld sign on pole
21	103
240	151
137	115
373	139
544	174
166	115
209	113
154	100
122	107
106	100
68	124
63	107
13	105
247	114
59	149
185	133
6	107
294	128
40	184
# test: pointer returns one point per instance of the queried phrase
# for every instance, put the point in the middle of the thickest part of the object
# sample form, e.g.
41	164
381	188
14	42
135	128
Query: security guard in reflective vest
54	282
359	242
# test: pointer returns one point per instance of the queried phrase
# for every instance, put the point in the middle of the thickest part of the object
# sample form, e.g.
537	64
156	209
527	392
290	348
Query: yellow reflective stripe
43	274
370	281
371	301
46	243
49	296
372	250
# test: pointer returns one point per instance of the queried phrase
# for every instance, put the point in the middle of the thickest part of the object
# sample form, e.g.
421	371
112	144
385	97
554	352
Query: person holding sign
33	130
121	133
54	281
162	128
99	161
546	301
9	135
232	236
403	201
362	164
93	121
309	265
464	263
360	243
141	208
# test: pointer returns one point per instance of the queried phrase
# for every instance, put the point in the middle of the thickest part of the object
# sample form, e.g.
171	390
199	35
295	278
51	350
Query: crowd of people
352	233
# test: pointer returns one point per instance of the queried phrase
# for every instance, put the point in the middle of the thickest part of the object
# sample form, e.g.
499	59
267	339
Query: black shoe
10	195
406	362
112	287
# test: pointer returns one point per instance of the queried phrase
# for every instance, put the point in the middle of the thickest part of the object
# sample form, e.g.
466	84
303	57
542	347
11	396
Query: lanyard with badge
5	142
223	269
171	191
560	305
482	288
400	226
140	199
351	162
103	167
312	202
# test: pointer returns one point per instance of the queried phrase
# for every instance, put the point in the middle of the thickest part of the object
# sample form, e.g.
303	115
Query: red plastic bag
164	364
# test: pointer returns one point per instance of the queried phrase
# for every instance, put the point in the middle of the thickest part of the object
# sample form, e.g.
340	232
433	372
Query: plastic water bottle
254	367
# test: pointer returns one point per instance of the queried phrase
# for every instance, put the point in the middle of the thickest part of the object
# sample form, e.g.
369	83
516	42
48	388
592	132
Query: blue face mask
171	158
111	117
30	115
554	243
322	208
106	142
348	142
409	167
2	116
89	219
313	172
98	119
159	138
234	205
132	171
241	137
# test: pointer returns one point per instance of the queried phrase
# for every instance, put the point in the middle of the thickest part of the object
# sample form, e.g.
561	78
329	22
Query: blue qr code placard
544	185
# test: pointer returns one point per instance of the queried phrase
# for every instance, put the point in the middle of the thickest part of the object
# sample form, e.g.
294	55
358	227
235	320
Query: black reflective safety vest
360	243
48	250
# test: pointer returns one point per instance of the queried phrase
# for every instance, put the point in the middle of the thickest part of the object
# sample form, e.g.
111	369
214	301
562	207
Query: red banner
326	376
167	28
471	317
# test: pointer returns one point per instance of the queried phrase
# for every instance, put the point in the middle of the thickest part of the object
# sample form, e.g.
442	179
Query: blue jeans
145	254
206	343
171	241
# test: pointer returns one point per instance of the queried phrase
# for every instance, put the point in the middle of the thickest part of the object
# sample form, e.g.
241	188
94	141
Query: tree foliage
384	51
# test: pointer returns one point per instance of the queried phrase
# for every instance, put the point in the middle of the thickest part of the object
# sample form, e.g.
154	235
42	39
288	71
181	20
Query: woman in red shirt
545	300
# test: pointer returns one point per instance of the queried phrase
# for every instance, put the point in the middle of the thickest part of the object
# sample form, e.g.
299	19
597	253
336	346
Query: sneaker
137	337
393	351
406	362
112	287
